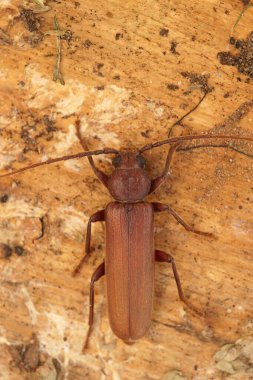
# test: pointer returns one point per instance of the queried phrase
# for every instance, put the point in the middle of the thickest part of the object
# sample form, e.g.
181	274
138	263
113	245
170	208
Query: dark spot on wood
172	87
146	133
67	36
30	20
49	123
198	80
118	36
5	251
97	68
232	40
173	47
87	44
243	61
19	250
164	32
4	198
109	14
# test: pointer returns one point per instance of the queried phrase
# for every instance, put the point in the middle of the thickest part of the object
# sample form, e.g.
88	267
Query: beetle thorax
129	182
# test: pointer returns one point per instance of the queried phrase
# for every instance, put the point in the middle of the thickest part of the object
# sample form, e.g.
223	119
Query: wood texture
131	69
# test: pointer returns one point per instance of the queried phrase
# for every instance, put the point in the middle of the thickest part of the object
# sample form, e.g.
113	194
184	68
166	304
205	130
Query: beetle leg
99	173
99	216
158	207
166	257
99	272
155	183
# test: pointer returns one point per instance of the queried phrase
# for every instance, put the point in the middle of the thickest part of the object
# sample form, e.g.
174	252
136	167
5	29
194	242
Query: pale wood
117	67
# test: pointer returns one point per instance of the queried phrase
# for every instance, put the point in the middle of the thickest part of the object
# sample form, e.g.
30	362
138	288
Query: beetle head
129	182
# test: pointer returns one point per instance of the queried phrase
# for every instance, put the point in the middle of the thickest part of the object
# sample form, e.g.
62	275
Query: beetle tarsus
207	234
86	343
77	270
99	272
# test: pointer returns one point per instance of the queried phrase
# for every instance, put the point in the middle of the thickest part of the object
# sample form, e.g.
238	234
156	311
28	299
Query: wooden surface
130	71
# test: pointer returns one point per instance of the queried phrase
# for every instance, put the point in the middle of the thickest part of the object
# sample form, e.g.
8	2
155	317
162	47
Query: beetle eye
141	161
116	161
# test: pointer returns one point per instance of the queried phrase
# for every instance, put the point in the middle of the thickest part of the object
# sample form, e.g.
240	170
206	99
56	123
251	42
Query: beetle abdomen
129	268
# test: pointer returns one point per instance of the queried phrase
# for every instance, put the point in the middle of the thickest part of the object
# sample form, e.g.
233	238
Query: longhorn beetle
130	253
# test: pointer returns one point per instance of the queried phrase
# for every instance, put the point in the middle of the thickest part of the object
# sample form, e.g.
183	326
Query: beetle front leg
158	207
155	183
99	272
99	216
99	173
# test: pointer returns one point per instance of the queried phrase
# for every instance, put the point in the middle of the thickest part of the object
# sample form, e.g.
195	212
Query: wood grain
131	69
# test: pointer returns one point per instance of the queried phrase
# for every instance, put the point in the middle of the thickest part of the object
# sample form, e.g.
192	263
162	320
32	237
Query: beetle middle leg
166	257
158	207
99	272
161	256
99	216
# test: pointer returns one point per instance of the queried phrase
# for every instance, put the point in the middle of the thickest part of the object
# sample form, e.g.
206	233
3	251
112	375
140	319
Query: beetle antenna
172	140
179	121
64	158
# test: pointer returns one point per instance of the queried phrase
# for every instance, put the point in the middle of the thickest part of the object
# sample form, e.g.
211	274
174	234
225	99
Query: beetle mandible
130	252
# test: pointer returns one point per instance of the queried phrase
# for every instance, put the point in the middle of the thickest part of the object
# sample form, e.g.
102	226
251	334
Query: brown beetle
130	253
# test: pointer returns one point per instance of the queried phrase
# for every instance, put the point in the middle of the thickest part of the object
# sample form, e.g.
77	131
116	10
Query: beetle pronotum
130	253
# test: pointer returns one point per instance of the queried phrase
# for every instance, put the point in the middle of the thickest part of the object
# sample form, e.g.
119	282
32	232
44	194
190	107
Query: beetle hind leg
99	272
99	216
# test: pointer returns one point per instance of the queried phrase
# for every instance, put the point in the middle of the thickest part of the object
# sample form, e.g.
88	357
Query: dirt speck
172	87
4	198
164	32
243	60
173	46
198	80
146	133
118	36
97	69
19	250
67	36
30	20
5	251
87	44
